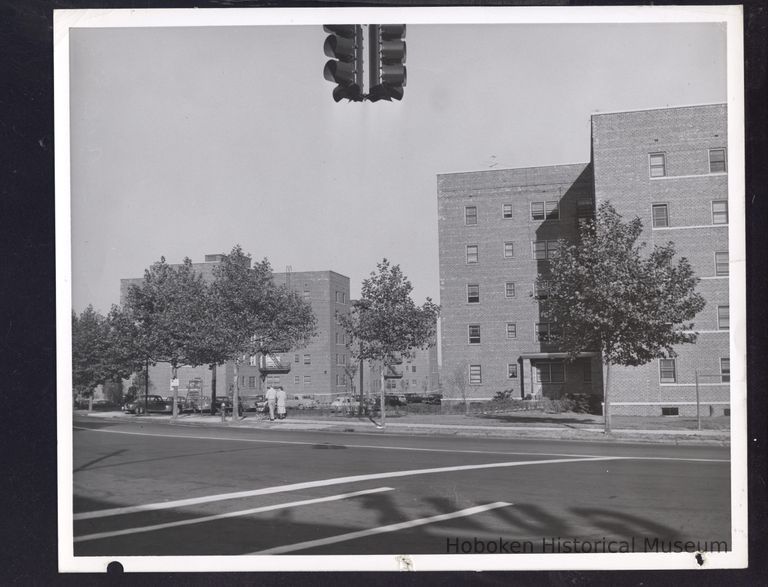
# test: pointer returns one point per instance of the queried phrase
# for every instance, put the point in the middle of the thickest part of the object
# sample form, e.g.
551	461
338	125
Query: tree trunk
382	400
146	389
360	407
174	407
606	401
235	391
213	368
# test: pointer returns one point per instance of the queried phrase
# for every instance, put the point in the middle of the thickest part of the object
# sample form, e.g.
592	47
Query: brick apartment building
497	229
317	369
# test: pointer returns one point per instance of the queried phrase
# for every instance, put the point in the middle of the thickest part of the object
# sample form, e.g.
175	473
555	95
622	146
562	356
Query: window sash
725	369
475	375
539	249
506	210
509	289
552	210
511	371
537	211
474	333
721	263
720	212
509	249
511	330
470	215
660	215
657	164
667	371
723	317
717	162
472	254
473	294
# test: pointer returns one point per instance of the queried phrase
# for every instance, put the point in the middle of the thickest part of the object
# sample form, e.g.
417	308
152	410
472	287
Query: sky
186	141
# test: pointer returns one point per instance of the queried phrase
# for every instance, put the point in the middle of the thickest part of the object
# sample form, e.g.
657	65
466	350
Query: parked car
413	398
254	403
344	404
181	401
434	399
225	403
395	400
150	404
301	402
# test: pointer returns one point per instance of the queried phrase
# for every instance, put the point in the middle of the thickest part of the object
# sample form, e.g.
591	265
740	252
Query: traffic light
387	58
345	45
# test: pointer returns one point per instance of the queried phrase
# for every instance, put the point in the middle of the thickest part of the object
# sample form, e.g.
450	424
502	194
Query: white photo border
730	16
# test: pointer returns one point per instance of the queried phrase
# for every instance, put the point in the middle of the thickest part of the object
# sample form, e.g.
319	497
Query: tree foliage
249	314
608	295
167	314
385	322
100	352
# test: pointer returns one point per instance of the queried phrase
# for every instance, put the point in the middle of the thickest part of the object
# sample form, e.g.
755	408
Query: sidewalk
558	431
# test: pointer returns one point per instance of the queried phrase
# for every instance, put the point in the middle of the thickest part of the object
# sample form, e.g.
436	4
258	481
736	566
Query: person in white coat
280	397
271	398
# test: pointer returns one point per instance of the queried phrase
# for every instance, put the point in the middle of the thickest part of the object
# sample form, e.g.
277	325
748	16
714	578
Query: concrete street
146	488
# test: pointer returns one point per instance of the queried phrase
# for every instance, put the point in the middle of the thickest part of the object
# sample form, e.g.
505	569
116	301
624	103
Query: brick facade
316	366
672	158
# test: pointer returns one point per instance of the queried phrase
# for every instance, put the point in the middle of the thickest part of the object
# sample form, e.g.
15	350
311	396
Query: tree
100	354
166	316
385	324
253	315
608	295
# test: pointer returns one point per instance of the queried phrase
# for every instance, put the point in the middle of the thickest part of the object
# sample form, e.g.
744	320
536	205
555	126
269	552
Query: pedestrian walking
280	396
271	399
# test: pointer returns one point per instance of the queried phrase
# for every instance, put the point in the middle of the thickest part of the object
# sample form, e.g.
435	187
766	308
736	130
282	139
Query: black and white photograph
400	289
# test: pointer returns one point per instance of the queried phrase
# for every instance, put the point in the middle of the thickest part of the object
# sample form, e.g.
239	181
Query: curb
690	437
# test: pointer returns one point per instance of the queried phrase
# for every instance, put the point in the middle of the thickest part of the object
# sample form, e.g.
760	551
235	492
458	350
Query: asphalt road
157	489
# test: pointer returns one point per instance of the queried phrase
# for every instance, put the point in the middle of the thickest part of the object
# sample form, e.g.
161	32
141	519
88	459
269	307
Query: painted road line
403	448
259	510
383	529
320	483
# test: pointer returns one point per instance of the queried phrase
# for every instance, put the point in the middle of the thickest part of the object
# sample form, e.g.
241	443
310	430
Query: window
545	249
511	371
470	215
511	330
307	293
475	375
549	372
509	249
251	381
471	253
273	380
585	208
717	161
660	215
723	317
657	163
541	289
337	338
413	369
725	370
545	210
721	263
667	371
307	379
473	293
586	366
720	212
307	359
474	334
506	210
546	331
509	289
296	380
295	358
670	412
